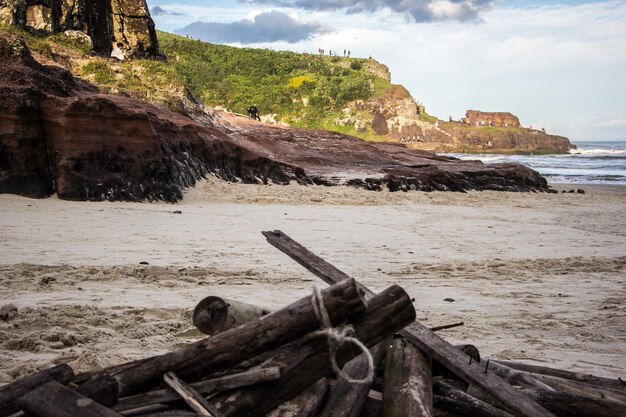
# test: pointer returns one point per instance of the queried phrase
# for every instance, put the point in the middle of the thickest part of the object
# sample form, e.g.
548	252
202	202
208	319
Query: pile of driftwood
309	359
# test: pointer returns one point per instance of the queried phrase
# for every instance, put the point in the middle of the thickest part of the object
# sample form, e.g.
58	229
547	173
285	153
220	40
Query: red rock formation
495	119
61	135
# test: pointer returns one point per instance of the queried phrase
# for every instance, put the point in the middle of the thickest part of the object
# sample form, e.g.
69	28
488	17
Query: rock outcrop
125	24
60	135
494	119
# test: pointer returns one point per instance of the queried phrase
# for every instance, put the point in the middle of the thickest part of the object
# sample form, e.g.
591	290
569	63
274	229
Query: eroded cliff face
125	24
61	135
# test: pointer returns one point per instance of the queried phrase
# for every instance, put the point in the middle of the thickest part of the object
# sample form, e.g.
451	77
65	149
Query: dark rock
579	191
7	312
177	212
143	263
58	134
450	300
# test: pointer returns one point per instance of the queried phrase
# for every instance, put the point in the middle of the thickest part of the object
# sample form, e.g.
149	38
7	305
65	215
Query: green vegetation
302	89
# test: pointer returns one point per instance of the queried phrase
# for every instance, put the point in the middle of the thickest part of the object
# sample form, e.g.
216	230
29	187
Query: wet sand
535	277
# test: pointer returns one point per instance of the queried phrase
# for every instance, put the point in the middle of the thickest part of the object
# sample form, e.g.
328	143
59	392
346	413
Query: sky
556	64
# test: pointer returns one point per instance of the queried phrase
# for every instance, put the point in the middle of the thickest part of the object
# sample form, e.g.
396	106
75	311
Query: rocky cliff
61	135
125	24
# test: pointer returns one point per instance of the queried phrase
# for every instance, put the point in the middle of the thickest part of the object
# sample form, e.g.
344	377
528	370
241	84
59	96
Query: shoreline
536	277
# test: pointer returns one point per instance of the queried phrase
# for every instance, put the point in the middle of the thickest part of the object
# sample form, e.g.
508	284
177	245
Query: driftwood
346	399
216	352
386	313
195	401
422	337
408	382
453	400
102	388
565	404
306	404
54	400
514	377
11	392
576	387
146	409
612	383
446	326
215	314
223	383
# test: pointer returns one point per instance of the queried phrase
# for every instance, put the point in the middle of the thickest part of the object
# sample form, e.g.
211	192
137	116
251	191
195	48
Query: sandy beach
535	277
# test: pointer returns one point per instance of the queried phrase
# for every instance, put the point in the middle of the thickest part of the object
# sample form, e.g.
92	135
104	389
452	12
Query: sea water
591	163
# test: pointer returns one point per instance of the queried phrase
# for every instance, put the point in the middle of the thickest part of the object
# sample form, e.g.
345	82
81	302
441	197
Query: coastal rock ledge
60	135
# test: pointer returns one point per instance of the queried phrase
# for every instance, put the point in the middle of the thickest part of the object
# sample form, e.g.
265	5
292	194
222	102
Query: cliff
59	134
125	24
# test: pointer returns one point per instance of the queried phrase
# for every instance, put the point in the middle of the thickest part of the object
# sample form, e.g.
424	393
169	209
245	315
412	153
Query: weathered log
215	314
102	388
446	326
373	407
309	360
408	382
565	404
205	387
514	377
54	400
576	387
306	404
612	383
422	337
450	399
194	400
216	352
146	409
346	399
11	392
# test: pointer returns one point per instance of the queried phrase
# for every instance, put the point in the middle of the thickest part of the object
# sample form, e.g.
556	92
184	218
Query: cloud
416	10
160	11
265	27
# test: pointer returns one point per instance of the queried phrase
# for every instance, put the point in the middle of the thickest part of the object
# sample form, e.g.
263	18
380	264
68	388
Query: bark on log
164	396
564	404
408	382
309	360
612	383
347	399
422	337
213	353
453	400
215	314
54	400
11	392
306	404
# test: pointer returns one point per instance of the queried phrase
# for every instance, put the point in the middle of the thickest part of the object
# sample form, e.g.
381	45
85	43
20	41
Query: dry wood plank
11	392
309	360
612	383
408	382
195	401
216	352
453	400
422	337
54	400
205	387
346	399
306	404
565	404
215	314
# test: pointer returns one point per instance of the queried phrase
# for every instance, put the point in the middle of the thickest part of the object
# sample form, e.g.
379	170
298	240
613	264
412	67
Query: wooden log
408	382
215	314
422	337
11	392
306	404
205	387
612	383
515	377
102	388
146	409
346	399
218	352
453	400
309	359
576	387
373	407
565	404
54	400
195	401
446	326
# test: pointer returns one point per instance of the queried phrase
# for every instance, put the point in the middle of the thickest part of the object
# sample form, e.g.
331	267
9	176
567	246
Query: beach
535	277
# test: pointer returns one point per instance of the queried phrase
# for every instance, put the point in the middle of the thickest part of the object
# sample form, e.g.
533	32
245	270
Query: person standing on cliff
253	112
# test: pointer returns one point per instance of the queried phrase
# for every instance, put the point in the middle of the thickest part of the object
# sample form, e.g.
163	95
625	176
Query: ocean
592	163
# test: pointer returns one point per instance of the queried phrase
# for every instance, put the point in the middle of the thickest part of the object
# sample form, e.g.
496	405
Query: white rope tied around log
338	337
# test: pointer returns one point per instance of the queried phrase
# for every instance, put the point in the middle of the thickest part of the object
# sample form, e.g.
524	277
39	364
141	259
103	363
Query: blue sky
555	64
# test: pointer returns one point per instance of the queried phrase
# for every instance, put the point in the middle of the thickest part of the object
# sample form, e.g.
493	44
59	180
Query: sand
535	277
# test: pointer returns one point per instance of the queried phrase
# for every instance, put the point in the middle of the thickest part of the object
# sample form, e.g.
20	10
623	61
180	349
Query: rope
338	337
